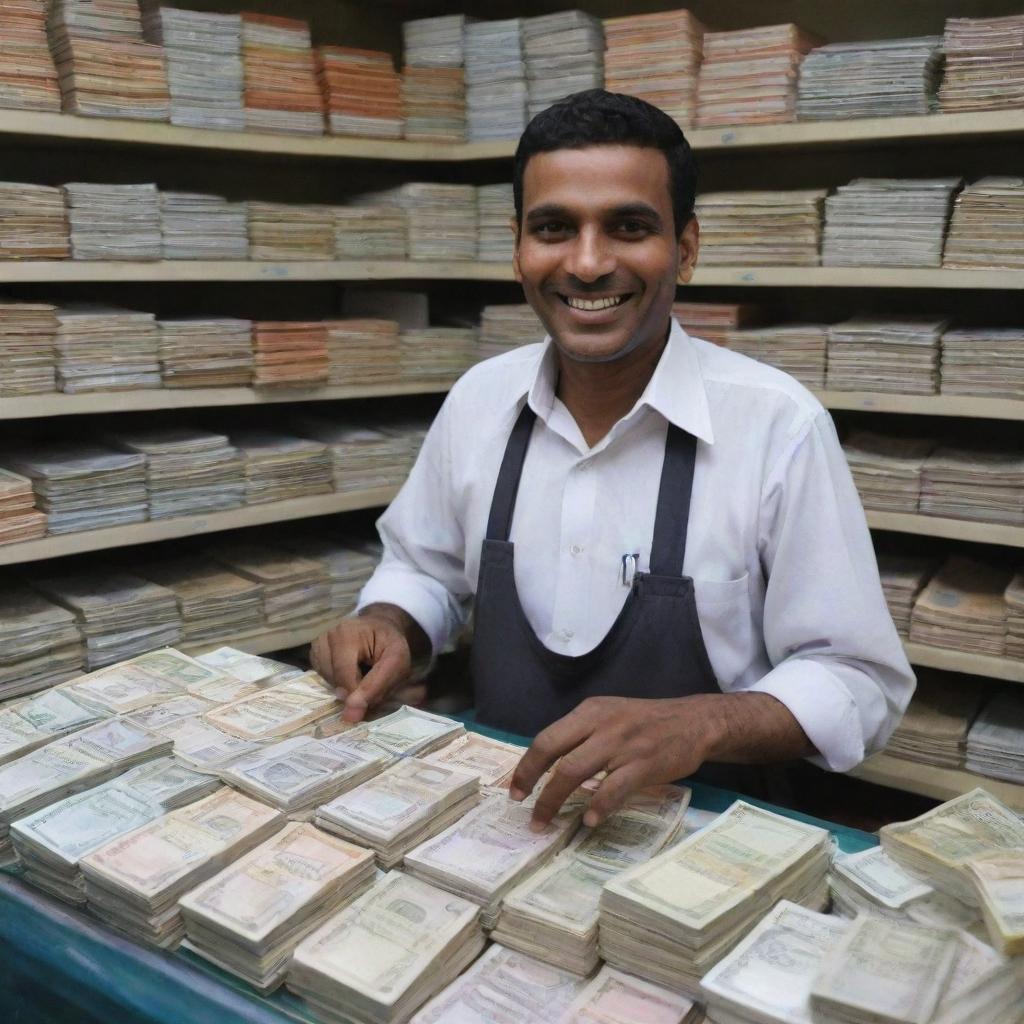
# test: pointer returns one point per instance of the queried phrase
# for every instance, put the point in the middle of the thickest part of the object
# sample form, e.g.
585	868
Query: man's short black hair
596	117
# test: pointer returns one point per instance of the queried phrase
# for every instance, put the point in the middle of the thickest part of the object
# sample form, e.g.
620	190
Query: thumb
389	670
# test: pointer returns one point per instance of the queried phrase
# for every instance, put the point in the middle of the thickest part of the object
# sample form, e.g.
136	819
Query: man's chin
594	348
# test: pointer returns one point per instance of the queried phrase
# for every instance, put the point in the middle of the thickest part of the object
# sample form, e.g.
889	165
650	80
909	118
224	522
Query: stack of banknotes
996	738
564	54
19	518
30	625
113	222
506	327
290	231
104	348
28	78
27	330
985	228
495	210
897	354
33	223
362	350
797	349
280	466
984	63
361	456
197	352
434	42
986	361
197	226
887	470
903	578
362	92
370	232
496	90
434	104
349	564
289	353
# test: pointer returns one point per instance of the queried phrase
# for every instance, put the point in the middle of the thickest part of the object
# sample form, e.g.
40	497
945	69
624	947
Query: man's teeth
594	303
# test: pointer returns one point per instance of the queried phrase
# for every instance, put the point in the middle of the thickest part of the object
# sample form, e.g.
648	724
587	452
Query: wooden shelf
190	526
952	529
857	277
925	405
1008	669
266	641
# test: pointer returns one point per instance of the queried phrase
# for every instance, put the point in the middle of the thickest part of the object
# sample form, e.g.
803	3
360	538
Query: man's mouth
592	305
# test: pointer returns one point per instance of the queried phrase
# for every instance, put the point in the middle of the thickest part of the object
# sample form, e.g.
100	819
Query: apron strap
503	504
669	544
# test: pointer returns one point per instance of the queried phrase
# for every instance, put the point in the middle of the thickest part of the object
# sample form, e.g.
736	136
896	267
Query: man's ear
513	225
689	247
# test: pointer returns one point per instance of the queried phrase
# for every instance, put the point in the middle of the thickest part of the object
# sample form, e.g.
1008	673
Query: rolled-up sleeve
839	666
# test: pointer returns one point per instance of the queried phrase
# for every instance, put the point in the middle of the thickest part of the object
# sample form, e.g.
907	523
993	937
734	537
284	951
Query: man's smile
594	303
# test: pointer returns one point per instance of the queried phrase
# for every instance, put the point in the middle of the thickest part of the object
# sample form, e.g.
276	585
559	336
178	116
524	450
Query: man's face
597	255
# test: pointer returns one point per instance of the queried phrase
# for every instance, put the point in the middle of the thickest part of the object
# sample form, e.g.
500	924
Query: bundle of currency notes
615	997
564	54
492	761
250	668
410	732
35	721
998	878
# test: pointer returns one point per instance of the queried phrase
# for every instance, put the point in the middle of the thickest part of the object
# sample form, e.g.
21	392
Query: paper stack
749	76
984	63
158	717
491	761
362	92
896	353
506	327
434	104
281	89
881	78
976	484
212	352
564	54
903	578
39	644
27	331
277	711
870	881
887	222
19	518
349	566
496	88
28	78
997	878
84	486
251	669
987	361
105	68
362	351
289	353
713	321
289	231
203	50
987	223
203	227
962	608
674	917
362	458
760	228
615	997
118	614
656	57
996	740
410	732
1014	598
203	746
33	223
437	353
103	348
441	218
887	470
278	466
796	349
370	232
113	222
434	42
494	211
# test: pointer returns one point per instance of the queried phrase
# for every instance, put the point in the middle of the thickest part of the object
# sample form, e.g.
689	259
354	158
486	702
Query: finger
320	658
388	670
348	648
413	693
574	768
616	789
547	747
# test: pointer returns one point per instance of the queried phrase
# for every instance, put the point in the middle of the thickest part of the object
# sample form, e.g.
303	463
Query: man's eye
632	227
550	227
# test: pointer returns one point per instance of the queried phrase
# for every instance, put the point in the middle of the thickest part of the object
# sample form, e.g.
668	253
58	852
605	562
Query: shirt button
576	549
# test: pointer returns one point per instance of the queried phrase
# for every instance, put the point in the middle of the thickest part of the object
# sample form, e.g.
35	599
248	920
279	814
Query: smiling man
660	542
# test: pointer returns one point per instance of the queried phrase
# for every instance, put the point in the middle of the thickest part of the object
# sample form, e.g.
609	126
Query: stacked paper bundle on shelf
749	76
289	353
362	457
288	231
441	218
19	518
995	744
674	917
507	327
887	222
796	349
33	223
881	78
895	353
496	91
985	361
434	42
203	51
349	566
903	578
564	54
962	608
362	351
40	644
972	483
494	209
118	614
27	332
362	92
203	227
370	232
83	486
984	63
113	222
35	721
1014	597
987	226
105	68
211	352
656	57
282	93
887	470
280	466
437	353
713	321
434	104
28	78
103	348
383	956
760	228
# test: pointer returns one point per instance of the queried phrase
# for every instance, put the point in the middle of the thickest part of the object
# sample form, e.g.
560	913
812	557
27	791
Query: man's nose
591	256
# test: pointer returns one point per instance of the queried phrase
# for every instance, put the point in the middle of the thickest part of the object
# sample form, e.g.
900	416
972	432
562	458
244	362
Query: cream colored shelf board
858	277
38	406
952	529
939	783
267	640
1008	669
191	526
972	406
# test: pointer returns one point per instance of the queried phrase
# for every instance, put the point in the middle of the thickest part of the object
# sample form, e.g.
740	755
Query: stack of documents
987	226
656	57
134	883
202	746
987	361
410	732
749	76
203	51
986	485
281	89
384	955
437	353
796	349
289	231
362	351
349	565
887	222
895	353
289	353
278	710
962	608
19	518
33	223
495	210
506	327
714	321
84	486
103	348
362	92
1014	598
370	232
441	218
674	917
114	222
564	54
249	918
984	63
400	808
280	466
40	645
491	761
119	615
211	352
760	228
997	878
870	881
246	668
881	78
887	470
28	78
995	743
361	457
27	331
434	104
496	92
434	42
203	227
903	578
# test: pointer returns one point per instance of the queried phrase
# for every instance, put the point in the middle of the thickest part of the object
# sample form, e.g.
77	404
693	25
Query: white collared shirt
787	586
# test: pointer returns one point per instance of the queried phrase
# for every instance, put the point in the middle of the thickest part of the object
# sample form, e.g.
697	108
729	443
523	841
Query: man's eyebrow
548	210
636	210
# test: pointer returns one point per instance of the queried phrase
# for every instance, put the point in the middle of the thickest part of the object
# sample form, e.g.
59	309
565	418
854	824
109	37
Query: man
666	558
